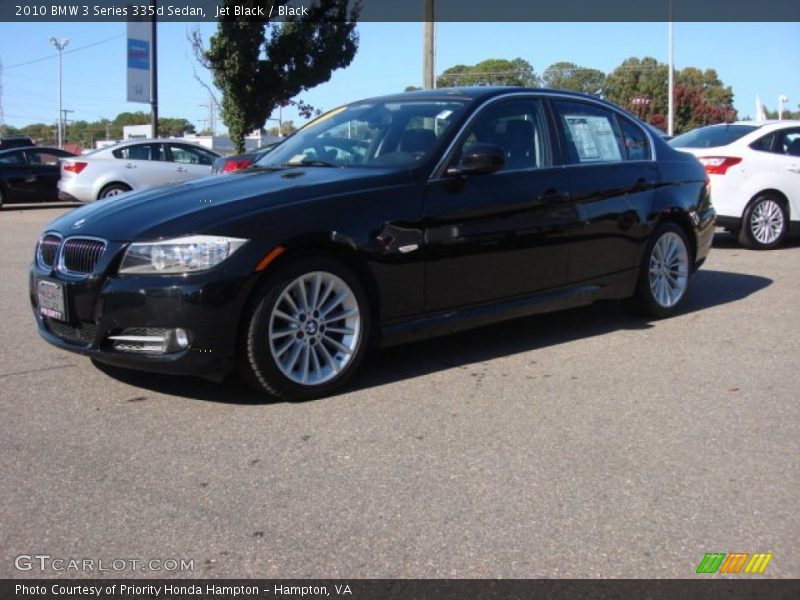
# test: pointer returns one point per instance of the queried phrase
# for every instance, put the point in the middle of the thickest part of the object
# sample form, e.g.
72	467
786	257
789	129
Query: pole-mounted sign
139	40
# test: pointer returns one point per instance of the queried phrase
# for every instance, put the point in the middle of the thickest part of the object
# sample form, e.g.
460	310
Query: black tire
647	300
2	196
762	209
258	363
113	189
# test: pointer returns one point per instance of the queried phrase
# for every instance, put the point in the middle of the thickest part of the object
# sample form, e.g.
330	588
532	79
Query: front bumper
208	305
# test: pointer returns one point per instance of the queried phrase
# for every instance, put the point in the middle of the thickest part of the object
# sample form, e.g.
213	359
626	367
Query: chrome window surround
438	171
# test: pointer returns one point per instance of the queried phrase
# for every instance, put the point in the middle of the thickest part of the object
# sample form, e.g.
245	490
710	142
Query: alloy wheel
766	222
314	328
669	269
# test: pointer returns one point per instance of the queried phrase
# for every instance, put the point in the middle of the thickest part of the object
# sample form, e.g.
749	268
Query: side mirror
480	159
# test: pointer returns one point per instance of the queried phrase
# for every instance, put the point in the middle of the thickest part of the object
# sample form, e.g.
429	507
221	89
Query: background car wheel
115	189
664	274
2	197
306	331
764	223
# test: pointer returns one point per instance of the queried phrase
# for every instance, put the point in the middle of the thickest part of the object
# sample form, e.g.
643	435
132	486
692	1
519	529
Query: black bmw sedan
383	221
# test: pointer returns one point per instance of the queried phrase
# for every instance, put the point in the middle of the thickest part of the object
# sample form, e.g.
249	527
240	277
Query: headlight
180	255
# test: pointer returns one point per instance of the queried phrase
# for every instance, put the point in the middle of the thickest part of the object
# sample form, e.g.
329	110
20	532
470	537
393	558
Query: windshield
370	134
711	136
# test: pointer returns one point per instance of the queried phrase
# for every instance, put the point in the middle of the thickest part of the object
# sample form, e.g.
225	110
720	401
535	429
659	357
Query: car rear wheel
764	224
664	274
115	189
307	330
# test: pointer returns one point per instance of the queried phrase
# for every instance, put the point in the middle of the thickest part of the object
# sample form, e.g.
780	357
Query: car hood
202	205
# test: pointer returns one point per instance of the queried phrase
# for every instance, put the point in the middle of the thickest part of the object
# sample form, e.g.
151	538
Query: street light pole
671	82
59	46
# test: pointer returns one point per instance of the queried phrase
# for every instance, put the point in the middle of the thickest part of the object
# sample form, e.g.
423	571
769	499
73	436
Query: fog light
151	340
181	338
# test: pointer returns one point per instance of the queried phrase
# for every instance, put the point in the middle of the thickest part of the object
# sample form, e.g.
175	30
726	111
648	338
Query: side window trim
467	129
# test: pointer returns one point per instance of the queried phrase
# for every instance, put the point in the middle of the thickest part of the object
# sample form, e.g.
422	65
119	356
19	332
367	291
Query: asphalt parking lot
589	443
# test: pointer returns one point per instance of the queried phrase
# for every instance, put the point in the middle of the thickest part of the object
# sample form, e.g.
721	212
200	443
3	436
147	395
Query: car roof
159	140
482	92
126	143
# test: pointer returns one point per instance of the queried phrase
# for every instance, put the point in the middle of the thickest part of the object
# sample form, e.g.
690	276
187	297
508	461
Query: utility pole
64	112
59	46
153	74
429	45
211	105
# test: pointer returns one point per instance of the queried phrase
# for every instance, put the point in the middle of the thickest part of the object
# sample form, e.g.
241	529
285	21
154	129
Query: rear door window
789	142
591	134
140	152
14	158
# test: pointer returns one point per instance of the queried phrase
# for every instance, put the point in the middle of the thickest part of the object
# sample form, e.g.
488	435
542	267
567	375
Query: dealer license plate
51	300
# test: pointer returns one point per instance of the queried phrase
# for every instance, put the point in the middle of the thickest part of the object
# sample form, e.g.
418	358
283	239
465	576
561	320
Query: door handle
181	170
130	166
642	184
794	168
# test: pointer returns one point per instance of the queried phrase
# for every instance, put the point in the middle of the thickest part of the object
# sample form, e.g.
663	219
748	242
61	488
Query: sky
754	58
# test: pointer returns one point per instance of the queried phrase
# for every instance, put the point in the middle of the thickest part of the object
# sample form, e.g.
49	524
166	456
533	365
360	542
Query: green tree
641	86
787	113
172	127
42	133
261	65
494	71
569	76
287	129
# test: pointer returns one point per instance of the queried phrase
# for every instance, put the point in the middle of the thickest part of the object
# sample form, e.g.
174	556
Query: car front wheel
764	224
307	330
664	274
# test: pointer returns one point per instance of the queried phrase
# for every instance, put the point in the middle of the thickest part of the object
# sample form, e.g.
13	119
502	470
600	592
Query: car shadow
725	239
382	367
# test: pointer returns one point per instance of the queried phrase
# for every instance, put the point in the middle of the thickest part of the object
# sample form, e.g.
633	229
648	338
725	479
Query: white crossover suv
132	165
754	171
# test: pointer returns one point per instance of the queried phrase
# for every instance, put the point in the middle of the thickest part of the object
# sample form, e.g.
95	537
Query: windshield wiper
310	163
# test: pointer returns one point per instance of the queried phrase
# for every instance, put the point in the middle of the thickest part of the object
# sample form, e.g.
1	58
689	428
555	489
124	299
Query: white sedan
754	170
132	165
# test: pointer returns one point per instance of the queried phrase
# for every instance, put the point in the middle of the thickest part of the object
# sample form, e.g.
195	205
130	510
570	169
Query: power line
52	56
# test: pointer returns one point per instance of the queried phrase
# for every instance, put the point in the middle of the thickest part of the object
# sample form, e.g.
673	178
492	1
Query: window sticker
593	138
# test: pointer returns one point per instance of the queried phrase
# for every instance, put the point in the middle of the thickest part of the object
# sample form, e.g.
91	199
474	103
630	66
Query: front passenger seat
517	141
